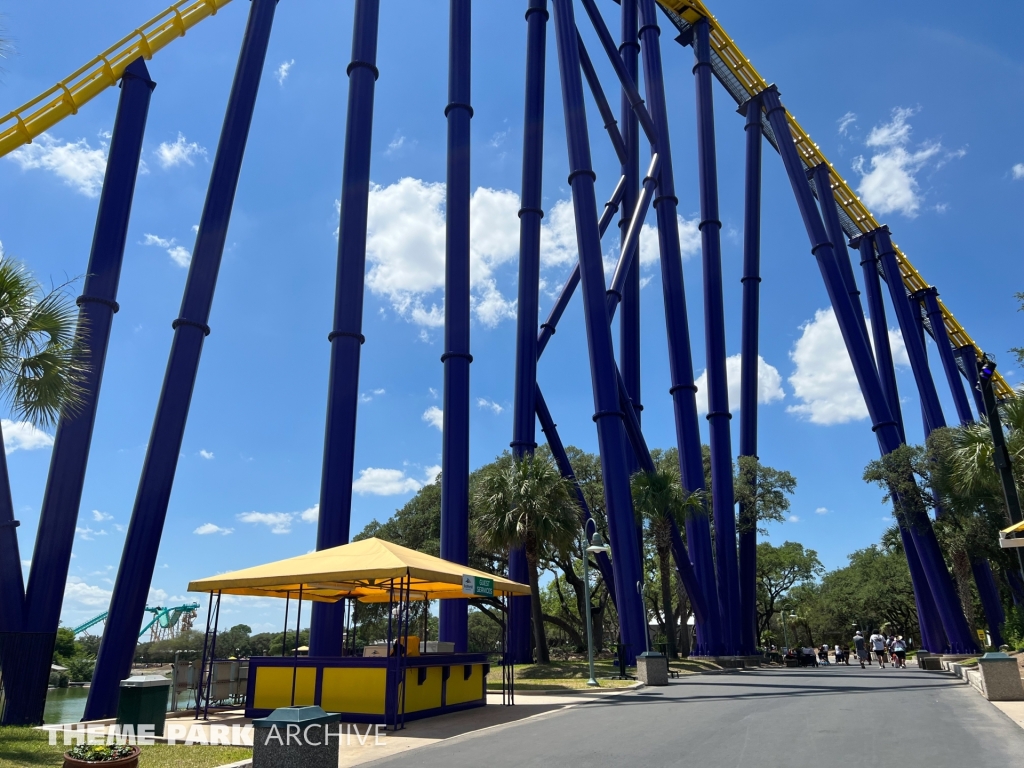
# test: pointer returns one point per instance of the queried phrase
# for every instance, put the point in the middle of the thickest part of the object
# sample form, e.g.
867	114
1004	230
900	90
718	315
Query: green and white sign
477	585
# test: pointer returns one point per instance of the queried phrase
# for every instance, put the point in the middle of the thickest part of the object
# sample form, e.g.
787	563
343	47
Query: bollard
652	668
1000	678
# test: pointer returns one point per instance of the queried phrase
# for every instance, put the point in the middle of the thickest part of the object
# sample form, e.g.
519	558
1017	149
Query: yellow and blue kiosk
396	681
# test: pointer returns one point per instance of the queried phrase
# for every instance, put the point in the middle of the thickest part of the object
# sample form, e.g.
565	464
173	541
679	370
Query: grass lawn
26	747
570	675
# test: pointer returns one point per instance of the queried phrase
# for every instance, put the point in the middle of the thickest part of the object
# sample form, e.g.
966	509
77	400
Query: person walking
899	649
878	646
861	648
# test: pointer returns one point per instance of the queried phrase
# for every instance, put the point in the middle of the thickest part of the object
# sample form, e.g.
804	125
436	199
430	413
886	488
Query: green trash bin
143	701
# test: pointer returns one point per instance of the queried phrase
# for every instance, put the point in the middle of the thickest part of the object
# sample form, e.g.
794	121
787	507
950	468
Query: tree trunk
665	573
682	614
964	576
539	638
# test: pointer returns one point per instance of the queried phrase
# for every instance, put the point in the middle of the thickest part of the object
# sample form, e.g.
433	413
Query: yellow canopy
370	570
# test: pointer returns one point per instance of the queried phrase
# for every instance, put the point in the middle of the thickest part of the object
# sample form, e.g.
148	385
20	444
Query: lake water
67	705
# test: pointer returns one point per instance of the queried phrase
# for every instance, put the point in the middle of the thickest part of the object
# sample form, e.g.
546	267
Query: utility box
143	701
1000	678
652	668
296	737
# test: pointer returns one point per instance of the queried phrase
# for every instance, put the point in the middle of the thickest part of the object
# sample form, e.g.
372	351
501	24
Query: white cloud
689	241
433	392
366	397
845	122
431	474
434	416
207	528
179	255
77	164
79	593
88	534
821	511
283	70
794	519
101	517
23	436
824	380
205	453
384	482
278	522
181	151
310	515
1018	171
889	184
483	402
769	384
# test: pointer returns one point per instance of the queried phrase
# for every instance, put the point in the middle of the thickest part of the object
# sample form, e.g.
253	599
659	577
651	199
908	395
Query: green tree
42	356
527	503
779	569
1018	352
64	645
762	493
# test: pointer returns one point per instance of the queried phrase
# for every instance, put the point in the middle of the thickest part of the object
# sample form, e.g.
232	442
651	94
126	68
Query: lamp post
596	545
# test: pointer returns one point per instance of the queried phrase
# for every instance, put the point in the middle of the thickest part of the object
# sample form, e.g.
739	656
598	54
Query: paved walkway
831	717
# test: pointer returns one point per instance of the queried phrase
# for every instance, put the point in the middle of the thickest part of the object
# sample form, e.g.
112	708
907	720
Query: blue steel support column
909	327
456	357
524	418
988	592
346	336
748	368
969	358
59	513
939	333
714	340
885	428
629	319
933	638
190	329
608	415
683	390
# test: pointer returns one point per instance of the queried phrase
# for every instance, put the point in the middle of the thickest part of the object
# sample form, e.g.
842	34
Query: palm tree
527	503
42	356
658	498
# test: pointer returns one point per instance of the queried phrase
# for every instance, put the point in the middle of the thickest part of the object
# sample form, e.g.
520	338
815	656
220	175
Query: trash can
297	737
143	701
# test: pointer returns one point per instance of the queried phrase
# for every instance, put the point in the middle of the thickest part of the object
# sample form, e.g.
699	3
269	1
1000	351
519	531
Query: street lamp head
597	544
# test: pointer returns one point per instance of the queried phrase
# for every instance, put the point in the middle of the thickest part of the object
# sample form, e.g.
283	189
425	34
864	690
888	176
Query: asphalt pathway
829	717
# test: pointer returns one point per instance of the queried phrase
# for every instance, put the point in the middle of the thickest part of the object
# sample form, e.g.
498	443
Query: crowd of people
877	648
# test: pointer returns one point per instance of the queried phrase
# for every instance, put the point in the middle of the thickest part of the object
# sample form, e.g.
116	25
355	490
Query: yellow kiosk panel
354	689
274	687
462	689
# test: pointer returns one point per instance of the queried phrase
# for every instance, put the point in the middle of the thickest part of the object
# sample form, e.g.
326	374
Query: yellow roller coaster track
749	78
67	97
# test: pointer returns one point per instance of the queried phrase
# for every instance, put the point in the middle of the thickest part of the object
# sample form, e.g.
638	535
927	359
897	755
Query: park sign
477	585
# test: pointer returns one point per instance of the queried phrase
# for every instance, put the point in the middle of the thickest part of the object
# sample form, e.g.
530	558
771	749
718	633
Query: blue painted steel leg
969	359
933	638
748	368
190	329
629	319
524	418
714	337
59	513
608	415
346	338
987	589
886	430
683	390
456	358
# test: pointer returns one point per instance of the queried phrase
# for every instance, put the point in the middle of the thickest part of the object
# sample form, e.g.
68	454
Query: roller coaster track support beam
456	358
531	212
59	514
969	361
346	337
933	638
608	415
629	318
956	384
749	362
683	390
190	330
714	340
885	427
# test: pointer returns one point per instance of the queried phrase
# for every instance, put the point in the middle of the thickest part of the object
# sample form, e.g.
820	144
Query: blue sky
919	110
